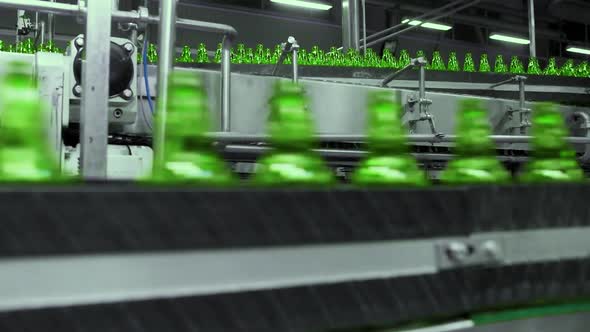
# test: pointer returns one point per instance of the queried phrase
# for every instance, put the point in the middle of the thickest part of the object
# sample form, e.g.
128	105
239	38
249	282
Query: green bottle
583	69
1	46
268	56
437	62
484	64
476	161
186	56
26	46
499	65
315	56
25	155
353	58
404	58
371	59
421	54
551	68
337	58
516	66
218	53
259	58
388	60
302	57
276	55
202	56
534	68
389	162
249	58
152	54
189	157
322	58
553	159
51	47
468	64
568	68
453	62
11	49
292	162
239	56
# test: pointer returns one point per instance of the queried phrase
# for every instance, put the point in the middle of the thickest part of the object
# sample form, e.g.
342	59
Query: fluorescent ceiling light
580	50
510	39
304	4
429	25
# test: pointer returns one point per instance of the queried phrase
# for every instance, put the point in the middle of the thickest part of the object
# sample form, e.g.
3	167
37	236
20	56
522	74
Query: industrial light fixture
429	25
509	39
305	4
575	49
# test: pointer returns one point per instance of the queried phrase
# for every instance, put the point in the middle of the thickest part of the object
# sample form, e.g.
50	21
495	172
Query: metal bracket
460	253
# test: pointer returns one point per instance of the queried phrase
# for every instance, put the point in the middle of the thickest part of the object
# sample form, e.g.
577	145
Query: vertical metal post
95	93
364	7
167	37
350	25
422	83
533	39
226	83
50	25
41	32
521	104
295	66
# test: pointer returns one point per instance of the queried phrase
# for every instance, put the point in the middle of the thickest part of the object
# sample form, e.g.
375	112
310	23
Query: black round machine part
120	73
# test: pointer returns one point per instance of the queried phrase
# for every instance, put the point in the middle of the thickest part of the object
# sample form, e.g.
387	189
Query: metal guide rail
283	259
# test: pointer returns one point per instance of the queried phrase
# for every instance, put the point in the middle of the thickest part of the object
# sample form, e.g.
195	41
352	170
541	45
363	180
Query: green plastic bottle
568	69
239	56
276	54
218	53
388	59
353	58
371	59
583	69
249	58
553	159
189	157
25	155
202	56
468	64
389	162
499	65
453	64
186	55
476	161
516	66
292	162
315	56
1	46
437	62
533	68
551	68
152	54
404	58
484	64
268	56
26	46
259	58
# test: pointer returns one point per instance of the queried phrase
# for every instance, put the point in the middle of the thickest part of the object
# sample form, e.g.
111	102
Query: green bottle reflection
499	65
186	55
389	162
476	161
25	155
453	64
553	159
189	157
468	64
568	68
484	64
516	66
551	68
533	67
291	163
437	62
202	56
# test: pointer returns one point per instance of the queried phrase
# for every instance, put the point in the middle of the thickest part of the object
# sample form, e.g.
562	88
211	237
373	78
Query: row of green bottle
352	58
190	158
28	46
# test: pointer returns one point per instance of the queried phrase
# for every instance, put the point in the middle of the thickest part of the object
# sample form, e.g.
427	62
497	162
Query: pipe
422	83
226	83
41	32
295	67
364	40
350	24
42	6
167	38
418	25
50	25
394	75
533	43
432	12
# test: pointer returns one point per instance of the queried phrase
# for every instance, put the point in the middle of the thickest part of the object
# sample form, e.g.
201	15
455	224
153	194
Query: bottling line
107	253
